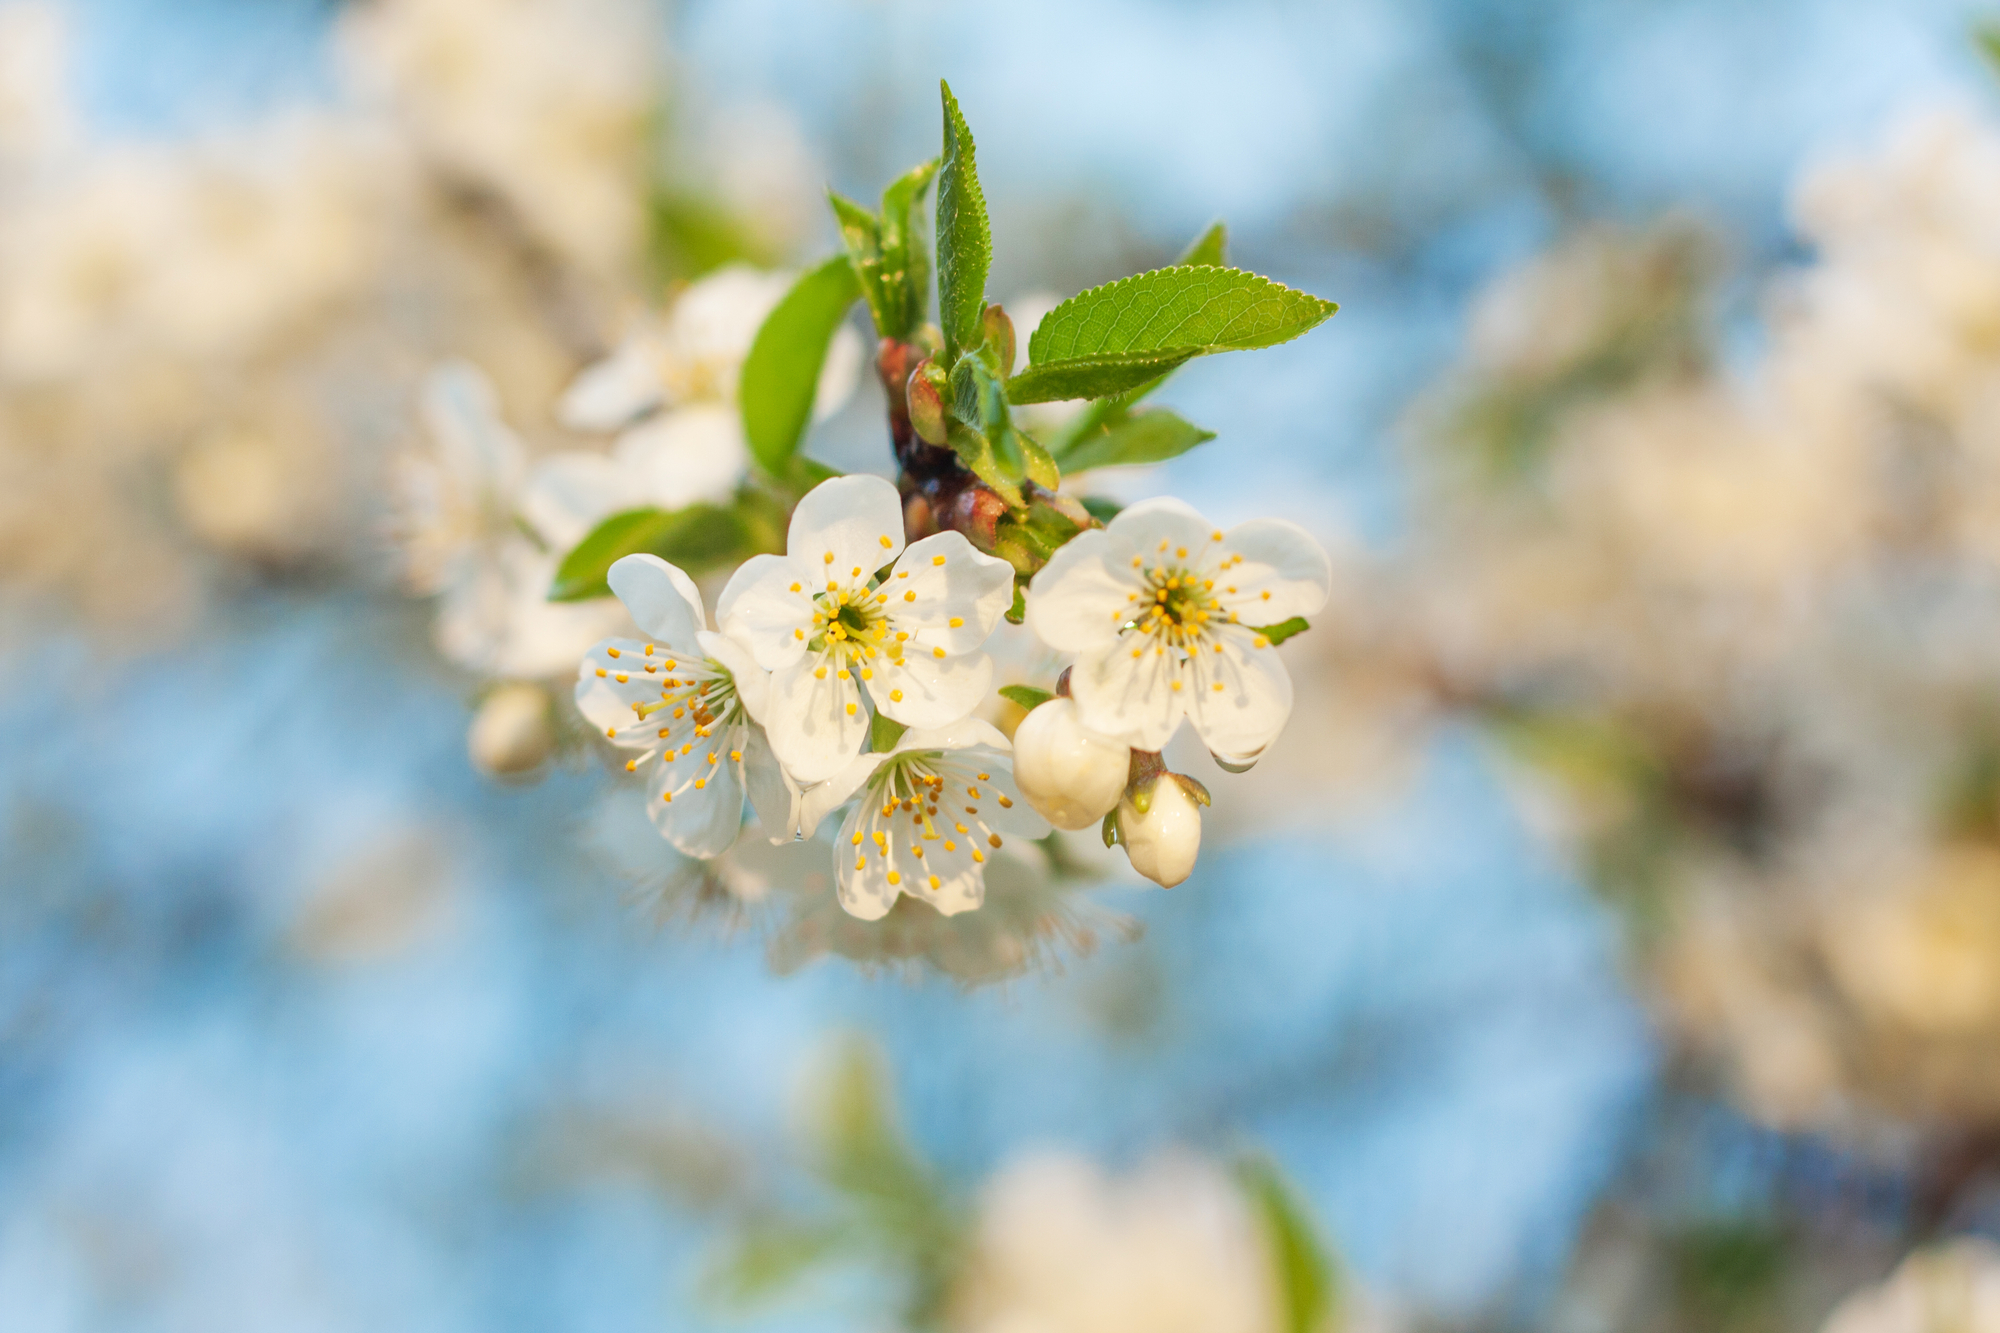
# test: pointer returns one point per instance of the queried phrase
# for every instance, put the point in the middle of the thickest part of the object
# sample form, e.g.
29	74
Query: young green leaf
1211	248
1152	436
781	374
883	733
1027	696
1284	629
1114	338
906	263
699	538
964	245
1306	1281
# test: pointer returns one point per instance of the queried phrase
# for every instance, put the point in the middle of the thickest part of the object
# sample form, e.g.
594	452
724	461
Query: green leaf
964	245
906	262
1284	629
1102	508
1305	1273
1210	248
781	374
1114	338
1027	696
699	538
883	733
1142	437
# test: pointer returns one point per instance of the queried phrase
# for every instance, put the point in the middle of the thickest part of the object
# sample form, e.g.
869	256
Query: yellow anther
1260	642
841	674
1265	595
736	756
978	855
910	596
1138	561
663	732
622	678
631	765
612	651
798	634
895	878
667	796
950	846
850	710
1005	804
649	650
798	587
917	851
973	792
831	586
687	749
1177	687
671	664
867	674
829	557
699	783
857	571
961	828
993	841
1180	552
886	543
819	673
857	837
611	732
601	673
881	839
861	862
934	881
1138	652
1218	687
983	777
956	622
1215	536
895	696
937	559
902	635
937	652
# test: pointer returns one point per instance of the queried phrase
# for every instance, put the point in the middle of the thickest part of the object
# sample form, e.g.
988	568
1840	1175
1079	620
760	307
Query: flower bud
1164	837
927	402
513	731
1072	776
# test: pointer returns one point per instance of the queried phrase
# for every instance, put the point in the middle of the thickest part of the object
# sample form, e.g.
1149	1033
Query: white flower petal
1079	599
462	414
752	681
767	606
607	394
862	881
1284	573
942	579
815	721
686	456
846	524
928	691
773	795
1247	713
701	820
605	700
963	734
570	493
822	798
1158	528
1127	693
661	598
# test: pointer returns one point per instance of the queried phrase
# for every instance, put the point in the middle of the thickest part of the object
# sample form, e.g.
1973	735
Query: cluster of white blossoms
852	628
483	527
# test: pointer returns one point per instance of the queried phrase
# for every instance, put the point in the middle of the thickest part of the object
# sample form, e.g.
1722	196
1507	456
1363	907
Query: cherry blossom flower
842	639
1164	612
931	811
685	700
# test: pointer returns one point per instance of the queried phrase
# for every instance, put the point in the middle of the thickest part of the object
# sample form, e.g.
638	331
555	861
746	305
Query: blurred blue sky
200	1128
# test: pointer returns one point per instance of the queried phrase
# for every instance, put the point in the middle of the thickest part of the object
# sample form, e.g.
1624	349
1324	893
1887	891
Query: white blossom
929	812
1171	1248
848	621
463	543
1163	609
686	701
1952	1288
1072	775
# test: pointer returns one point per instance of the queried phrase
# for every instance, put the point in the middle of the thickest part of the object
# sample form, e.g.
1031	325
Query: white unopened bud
1164	839
1071	775
513	731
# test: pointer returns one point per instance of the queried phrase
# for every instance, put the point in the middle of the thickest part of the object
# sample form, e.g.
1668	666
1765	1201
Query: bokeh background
1612	942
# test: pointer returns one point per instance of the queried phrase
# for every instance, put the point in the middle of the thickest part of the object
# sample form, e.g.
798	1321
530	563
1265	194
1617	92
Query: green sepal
1284	629
1018	612
883	733
1027	696
1152	436
1036	463
964	243
1304	1271
698	538
781	375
